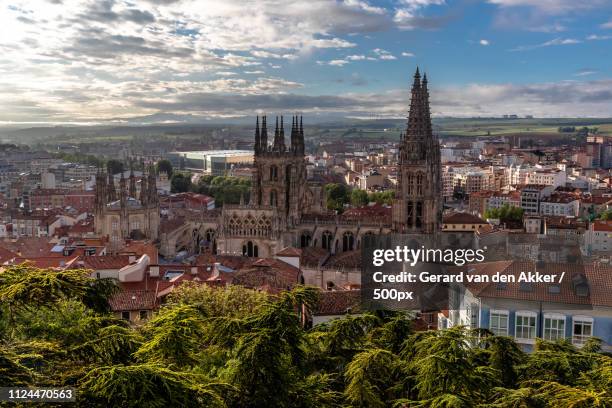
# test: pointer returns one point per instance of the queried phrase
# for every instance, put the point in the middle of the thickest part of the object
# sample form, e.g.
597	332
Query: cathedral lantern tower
417	207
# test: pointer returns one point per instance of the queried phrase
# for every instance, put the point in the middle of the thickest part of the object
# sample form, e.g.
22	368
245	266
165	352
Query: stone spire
416	140
257	136
100	199
263	143
143	187
132	181
122	190
281	136
111	194
152	187
301	136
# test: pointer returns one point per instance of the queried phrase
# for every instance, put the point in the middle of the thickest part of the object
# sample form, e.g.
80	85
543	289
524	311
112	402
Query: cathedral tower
280	170
417	206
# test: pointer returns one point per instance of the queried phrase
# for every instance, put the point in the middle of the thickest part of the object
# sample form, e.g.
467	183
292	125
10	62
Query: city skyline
105	62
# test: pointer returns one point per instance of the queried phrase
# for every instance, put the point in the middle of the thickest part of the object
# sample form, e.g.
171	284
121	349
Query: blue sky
110	61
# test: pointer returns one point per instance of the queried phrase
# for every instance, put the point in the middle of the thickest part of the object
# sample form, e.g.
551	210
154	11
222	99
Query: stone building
121	213
286	209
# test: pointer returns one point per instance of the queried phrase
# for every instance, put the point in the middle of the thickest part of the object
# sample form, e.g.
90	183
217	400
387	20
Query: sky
157	61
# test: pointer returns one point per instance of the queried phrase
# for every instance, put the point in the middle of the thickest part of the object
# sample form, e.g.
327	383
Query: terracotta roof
348	259
463	218
133	300
314	256
600	225
46	261
106	262
597	277
338	302
6	255
290	252
271	275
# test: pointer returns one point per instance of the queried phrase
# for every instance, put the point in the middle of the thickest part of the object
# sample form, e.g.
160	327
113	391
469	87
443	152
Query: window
499	323
348	241
115	225
136	225
554	327
583	330
273	198
125	315
273	173
525	325
142	315
326	240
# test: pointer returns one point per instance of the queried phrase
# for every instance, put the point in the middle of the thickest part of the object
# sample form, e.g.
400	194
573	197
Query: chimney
154	271
215	270
194	270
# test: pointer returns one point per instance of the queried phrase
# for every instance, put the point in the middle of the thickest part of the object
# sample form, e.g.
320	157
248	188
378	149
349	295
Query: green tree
114	166
164	166
359	198
180	182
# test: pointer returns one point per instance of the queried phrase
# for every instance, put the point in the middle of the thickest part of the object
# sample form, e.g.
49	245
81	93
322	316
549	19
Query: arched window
410	210
419	214
410	183
305	239
251	250
273	198
419	183
273	173
348	241
326	240
210	235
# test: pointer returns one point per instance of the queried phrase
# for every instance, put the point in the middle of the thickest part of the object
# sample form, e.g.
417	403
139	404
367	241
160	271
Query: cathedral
126	212
287	209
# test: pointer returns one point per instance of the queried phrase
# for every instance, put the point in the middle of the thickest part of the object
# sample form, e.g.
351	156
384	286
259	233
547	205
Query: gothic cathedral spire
417	205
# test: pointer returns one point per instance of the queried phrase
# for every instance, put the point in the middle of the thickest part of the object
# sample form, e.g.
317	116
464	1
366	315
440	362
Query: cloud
551	6
484	42
586	72
607	25
407	54
596	37
383	54
408	15
554	42
338	62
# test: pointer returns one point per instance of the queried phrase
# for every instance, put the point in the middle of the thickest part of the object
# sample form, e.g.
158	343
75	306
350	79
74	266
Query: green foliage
505	213
173	337
235	347
149	385
224	189
337	195
180	182
22	286
114	166
359	198
164	166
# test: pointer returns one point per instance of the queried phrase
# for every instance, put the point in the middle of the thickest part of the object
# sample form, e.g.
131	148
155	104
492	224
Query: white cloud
607	25
484	42
554	42
408	14
407	54
551	6
596	37
338	62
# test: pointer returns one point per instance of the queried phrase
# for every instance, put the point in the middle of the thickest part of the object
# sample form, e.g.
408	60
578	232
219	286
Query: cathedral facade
286	209
124	212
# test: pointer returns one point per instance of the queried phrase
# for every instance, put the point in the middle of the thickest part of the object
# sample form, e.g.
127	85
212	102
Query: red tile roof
597	276
338	302
133	300
106	262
